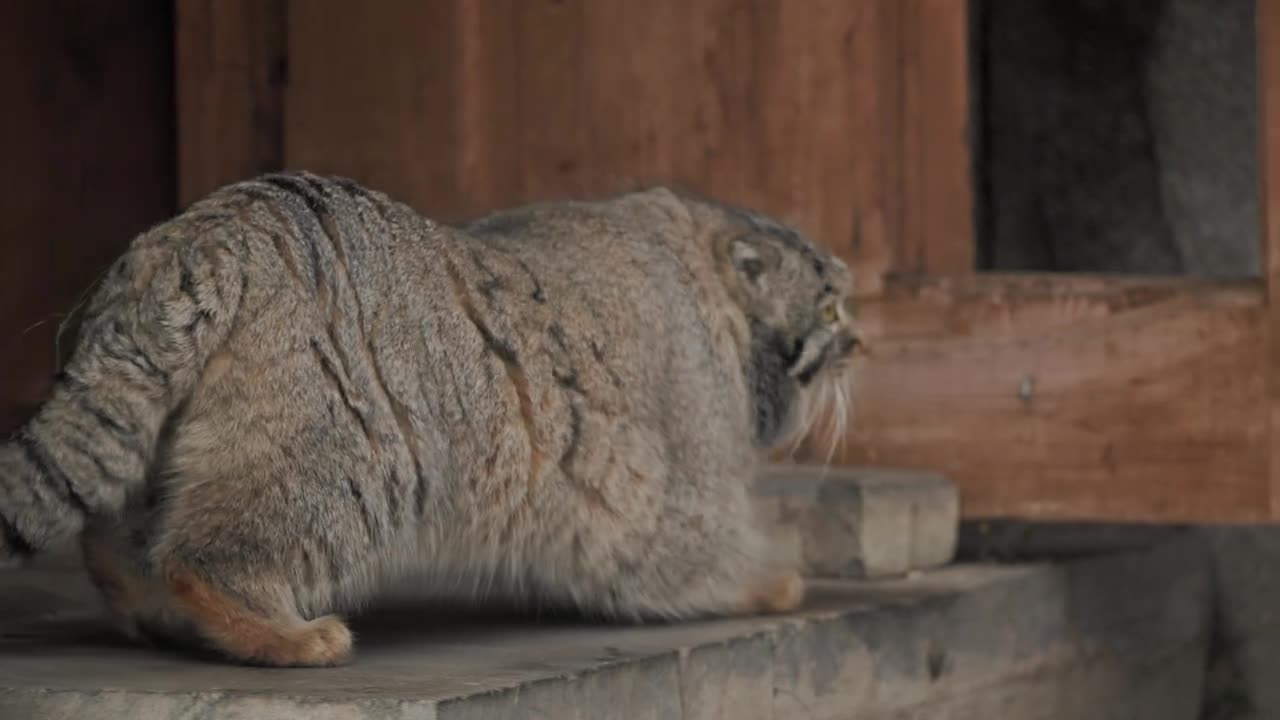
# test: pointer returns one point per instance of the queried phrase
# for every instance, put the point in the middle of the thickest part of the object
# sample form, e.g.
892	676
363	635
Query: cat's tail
161	312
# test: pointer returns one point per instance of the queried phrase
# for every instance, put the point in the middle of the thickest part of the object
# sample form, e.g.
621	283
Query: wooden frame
1043	396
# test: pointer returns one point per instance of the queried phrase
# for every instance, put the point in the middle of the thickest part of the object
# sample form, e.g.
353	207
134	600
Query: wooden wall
830	116
86	137
1046	397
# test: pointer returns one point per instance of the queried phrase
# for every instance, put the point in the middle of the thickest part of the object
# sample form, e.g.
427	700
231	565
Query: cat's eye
830	314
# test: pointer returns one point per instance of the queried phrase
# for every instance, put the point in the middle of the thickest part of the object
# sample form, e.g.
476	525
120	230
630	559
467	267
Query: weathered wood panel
938	222
87	133
464	106
1088	398
231	69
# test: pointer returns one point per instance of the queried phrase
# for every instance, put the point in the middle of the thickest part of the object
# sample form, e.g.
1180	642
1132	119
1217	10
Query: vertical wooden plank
464	106
646	64
87	141
231	65
553	135
488	119
1268	43
938	221
873	101
374	94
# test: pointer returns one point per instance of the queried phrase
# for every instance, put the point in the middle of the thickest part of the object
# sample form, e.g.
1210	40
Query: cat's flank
298	390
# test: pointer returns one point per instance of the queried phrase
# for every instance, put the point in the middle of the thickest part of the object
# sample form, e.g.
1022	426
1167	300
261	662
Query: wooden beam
230	74
938	222
1071	398
1268	44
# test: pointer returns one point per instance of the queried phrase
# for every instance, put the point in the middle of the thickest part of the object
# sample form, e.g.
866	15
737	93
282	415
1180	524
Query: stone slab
1113	635
860	523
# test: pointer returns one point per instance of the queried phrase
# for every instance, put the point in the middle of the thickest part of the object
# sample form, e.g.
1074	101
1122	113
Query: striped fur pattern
299	390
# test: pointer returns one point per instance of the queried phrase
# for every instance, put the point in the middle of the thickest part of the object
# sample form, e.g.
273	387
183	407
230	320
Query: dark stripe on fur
45	465
301	188
506	352
575	437
70	381
125	436
137	357
403	422
359	192
501	347
332	373
537	295
103	472
492	282
139	361
14	539
187	284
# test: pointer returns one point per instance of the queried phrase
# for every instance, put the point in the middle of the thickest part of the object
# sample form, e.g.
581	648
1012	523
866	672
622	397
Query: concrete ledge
860	523
1110	636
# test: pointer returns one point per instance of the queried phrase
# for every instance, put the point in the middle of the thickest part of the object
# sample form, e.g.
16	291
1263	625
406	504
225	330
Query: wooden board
230	74
461	107
938	221
1071	398
87	141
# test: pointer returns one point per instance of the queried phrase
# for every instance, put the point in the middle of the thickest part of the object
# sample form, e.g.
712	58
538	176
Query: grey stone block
732	680
859	523
1108	636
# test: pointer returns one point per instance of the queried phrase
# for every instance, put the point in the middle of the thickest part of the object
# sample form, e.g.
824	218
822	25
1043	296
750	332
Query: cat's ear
751	261
746	260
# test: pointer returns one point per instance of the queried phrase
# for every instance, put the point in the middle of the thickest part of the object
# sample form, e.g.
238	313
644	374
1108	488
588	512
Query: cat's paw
780	594
323	642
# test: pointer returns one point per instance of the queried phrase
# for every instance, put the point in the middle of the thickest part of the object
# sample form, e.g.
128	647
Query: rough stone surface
1118	136
860	523
1110	636
1246	652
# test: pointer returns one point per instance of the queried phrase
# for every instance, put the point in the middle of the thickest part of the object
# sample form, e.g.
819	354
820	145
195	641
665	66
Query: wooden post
230	72
938	215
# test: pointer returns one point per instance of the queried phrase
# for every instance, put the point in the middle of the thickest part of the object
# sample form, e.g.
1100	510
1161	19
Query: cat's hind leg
261	627
177	608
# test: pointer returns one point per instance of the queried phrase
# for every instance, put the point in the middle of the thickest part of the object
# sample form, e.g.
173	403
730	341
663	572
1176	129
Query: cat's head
796	298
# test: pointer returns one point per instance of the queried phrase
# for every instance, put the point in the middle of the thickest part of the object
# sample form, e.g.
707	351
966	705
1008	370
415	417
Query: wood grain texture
230	74
374	93
938	223
87	142
1268	43
1056	398
464	106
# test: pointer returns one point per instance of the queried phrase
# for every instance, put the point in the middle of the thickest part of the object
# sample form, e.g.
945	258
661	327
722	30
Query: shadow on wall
1118	136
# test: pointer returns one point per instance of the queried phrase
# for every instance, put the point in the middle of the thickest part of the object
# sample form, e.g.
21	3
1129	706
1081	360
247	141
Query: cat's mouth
840	355
850	346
